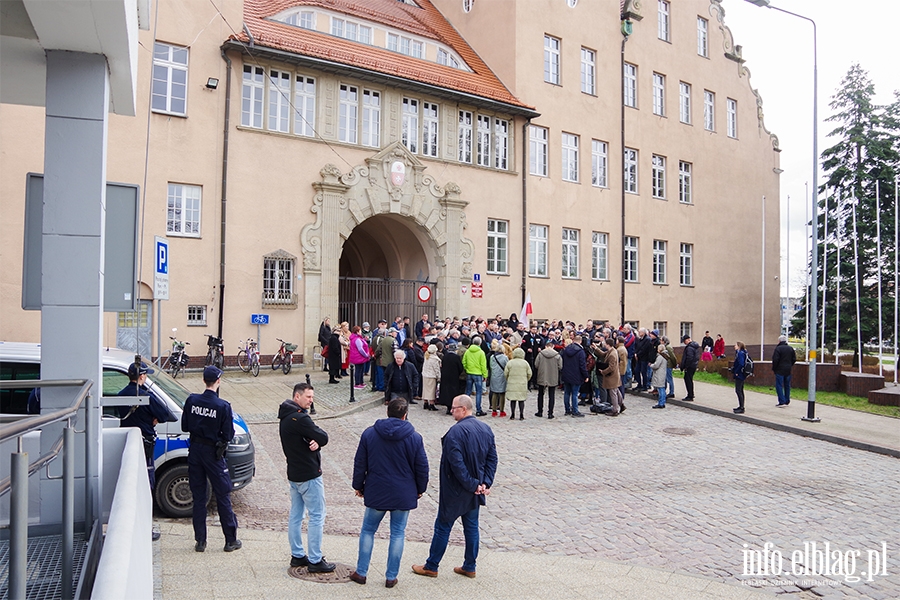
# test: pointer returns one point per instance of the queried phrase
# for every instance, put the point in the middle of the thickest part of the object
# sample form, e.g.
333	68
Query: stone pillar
457	270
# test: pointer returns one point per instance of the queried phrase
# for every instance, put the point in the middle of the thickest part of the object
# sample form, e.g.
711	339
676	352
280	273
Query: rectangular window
551	60
348	113
588	71
307	19
731	117
570	253
659	94
599	255
662	21
684	102
371	125
709	110
465	136
196	316
686	265
658	177
537	250
410	132
305	106
483	142
405	45
685	195
169	88
629	85
501	144
599	163
498	237
661	327
350	30
445	58
569	157
538	140
429	129
659	262
183	210
631	170
279	101
252	91
278	281
702	37
687	328
630	265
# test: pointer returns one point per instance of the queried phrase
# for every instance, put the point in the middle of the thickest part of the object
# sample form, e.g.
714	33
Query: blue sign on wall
162	256
259	319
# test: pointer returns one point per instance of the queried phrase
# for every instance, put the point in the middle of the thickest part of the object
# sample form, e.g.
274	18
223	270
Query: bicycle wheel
209	357
177	367
243	362
254	365
168	363
219	360
276	361
288	363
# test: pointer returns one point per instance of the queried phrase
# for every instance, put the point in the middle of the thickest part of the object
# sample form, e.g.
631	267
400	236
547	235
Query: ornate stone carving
632	10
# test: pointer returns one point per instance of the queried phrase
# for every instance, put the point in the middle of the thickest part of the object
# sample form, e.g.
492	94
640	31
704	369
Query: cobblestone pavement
675	489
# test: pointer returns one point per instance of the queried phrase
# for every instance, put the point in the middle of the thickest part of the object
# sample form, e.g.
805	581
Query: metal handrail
21	427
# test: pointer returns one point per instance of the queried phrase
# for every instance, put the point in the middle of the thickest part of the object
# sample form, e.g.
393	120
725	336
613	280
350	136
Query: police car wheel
173	492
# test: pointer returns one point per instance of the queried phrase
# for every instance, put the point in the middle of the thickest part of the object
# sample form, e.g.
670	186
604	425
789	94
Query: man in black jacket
300	441
690	358
400	379
783	359
324	336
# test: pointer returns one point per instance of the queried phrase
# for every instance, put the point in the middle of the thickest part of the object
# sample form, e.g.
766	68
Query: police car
172	493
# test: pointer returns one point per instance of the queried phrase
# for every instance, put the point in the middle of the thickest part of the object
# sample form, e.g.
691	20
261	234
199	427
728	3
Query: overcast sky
778	52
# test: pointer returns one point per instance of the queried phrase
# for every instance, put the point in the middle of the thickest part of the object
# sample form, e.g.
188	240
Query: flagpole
856	277
837	286
824	270
878	251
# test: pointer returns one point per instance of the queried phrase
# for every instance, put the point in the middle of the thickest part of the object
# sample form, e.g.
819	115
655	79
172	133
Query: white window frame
465	136
703	37
302	18
304	105
588	71
538	145
405	45
570	157
253	92
687	328
659	262
709	110
686	265
599	163
196	315
630	163
371	118
169	71
351	30
497	247
731	117
570	253
483	141
409	133
501	144
447	59
348	113
551	59
537	250
630	256
658	176
183	204
661	327
279	101
684	102
278	281
629	85
659	94
663	23
599	256
685	182
430	128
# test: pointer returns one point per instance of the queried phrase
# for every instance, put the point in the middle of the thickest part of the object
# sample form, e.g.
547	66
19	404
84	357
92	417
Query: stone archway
391	183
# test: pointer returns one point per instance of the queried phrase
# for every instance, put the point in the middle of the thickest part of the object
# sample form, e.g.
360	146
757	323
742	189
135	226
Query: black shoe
621	407
577	414
738	410
481	413
412	402
658	406
303	561
539	415
154	535
232	546
333	381
549	416
687	399
321	567
200	546
670	396
521	417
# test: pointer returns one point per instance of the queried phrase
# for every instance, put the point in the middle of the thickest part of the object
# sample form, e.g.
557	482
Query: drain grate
679	431
44	566
341	574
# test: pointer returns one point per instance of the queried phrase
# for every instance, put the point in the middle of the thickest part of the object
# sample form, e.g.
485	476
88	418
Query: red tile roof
422	21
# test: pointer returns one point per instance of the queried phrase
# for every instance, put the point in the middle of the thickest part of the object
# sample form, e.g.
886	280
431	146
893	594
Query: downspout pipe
224	201
622	154
525	206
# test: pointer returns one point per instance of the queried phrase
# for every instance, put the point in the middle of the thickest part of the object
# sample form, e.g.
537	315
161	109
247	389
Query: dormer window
303	18
351	30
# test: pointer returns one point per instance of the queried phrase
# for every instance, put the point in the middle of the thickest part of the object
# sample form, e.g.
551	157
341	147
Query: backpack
748	366
590	362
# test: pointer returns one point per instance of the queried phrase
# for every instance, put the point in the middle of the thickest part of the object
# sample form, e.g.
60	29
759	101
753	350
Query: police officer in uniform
209	420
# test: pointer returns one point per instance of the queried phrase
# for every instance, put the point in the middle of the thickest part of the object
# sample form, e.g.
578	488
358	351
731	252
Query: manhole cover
679	431
341	574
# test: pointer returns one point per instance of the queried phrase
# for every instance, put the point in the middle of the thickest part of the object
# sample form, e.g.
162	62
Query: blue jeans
442	537
379	378
627	380
783	388
670	382
662	396
371	521
475	381
307	496
570	394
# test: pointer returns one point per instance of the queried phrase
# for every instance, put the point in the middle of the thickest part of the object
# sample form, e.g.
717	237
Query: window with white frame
371	118
659	262
537	250
661	327
588	71
709	110
279	101
252	93
351	30
405	45
447	59
538	149
631	170
629	86
483	141
685	185
630	266
702	37
498	238
501	144
569	157
304	106
465	136
278	280
409	134
196	315
599	163
570	253
731	117
183	210
599	256
659	94
551	59
169	88
684	102
686	265
658	176
304	18
348	113
429	129
662	21
468	5
687	329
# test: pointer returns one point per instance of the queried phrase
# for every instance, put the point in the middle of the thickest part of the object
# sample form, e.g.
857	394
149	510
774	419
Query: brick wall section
827	375
860	384
889	396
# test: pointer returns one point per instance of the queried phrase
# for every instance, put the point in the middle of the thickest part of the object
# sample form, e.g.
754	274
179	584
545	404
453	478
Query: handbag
324	351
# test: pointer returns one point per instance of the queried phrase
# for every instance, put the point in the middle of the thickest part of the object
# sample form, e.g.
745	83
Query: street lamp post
814	276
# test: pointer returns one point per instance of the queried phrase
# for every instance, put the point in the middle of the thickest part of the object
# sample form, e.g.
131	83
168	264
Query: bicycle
285	356
216	353
248	357
177	359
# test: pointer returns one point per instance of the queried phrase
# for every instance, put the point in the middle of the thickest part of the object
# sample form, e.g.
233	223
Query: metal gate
133	328
369	299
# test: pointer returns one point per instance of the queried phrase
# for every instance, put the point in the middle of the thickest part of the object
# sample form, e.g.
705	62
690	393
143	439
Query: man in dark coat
324	336
468	466
574	373
690	358
451	371
400	379
334	357
390	474
783	359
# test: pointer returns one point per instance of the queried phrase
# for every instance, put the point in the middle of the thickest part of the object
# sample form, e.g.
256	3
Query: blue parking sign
162	256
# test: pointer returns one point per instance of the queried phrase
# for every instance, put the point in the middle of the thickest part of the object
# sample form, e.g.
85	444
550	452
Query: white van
172	493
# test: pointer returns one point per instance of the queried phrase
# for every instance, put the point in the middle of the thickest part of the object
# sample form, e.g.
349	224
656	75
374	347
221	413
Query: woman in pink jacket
359	356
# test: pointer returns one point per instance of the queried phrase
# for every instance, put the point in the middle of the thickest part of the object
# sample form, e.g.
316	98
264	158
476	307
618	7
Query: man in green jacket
475	363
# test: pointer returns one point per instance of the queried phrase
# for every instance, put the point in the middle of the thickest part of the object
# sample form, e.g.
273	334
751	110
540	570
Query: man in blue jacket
390	474
468	466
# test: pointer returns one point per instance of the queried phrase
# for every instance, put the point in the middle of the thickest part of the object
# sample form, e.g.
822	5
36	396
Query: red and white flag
526	310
